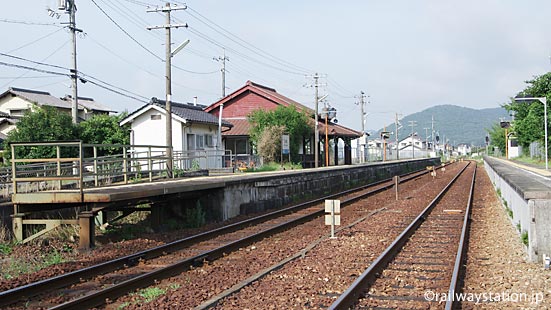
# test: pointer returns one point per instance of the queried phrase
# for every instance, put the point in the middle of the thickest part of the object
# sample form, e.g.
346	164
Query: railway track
80	288
421	268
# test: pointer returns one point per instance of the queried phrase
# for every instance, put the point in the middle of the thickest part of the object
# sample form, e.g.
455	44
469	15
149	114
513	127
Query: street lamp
544	101
328	114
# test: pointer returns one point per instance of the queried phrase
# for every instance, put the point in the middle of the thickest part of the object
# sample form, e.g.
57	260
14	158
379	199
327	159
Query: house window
209	141
237	146
155	117
18	112
200	142
241	146
190	142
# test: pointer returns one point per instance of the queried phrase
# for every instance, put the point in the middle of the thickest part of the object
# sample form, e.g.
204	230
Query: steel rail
366	279
461	250
98	298
26	291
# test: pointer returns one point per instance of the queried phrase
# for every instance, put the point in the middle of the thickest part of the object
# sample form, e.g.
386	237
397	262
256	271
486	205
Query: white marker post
396	184
333	207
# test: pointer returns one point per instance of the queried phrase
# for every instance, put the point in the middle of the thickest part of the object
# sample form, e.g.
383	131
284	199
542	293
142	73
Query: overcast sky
406	55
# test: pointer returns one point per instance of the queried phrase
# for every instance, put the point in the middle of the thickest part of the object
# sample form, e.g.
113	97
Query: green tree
269	143
105	129
47	124
43	124
296	123
497	137
529	117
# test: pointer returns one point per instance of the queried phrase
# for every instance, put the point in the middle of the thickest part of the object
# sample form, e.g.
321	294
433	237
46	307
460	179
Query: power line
344	90
35	62
86	78
33	69
132	17
23	22
109	87
36	40
140	3
146	100
23	77
245	44
125	59
193	72
207	38
125	32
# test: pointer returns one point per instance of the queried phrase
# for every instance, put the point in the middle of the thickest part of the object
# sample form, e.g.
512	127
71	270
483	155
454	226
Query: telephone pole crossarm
167	26
167	8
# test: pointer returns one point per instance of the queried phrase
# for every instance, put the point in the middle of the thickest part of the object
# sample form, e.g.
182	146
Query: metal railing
75	165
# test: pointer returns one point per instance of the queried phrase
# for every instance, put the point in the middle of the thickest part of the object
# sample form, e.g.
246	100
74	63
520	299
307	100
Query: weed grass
19	266
273	166
524	238
537	162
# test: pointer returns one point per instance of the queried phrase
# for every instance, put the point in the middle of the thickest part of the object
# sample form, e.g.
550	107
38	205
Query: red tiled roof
336	130
264	91
240	127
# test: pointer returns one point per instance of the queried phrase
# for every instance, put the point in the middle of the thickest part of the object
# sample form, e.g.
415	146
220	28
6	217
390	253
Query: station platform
529	181
525	193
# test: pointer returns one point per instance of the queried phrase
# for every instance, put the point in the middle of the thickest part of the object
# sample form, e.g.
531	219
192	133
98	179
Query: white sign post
333	207
285	147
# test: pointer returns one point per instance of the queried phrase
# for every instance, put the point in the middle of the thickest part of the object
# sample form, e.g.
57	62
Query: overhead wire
49	84
89	79
244	43
345	93
125	59
158	57
207	38
133	18
36	40
23	22
125	32
35	62
23	77
193	72
144	4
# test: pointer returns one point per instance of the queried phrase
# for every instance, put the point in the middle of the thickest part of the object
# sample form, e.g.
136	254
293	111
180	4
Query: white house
463	149
412	147
16	101
194	133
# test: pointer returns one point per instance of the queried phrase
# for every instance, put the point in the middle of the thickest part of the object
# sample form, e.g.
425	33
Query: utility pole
397	124
363	117
167	9
70	7
412	124
362	102
427	139
316	132
433	135
223	70
74	74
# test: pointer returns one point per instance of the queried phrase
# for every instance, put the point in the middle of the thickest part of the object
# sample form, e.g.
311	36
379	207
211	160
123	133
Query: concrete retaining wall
528	214
259	192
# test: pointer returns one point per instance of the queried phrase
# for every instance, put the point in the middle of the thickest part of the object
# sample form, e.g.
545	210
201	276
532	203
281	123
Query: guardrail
76	165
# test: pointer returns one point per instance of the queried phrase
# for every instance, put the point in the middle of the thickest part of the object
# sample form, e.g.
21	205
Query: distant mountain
456	124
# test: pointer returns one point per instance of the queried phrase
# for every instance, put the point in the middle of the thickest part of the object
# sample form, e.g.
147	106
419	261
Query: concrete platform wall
531	215
260	193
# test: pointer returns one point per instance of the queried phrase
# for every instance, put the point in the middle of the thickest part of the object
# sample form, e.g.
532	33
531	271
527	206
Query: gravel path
497	262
